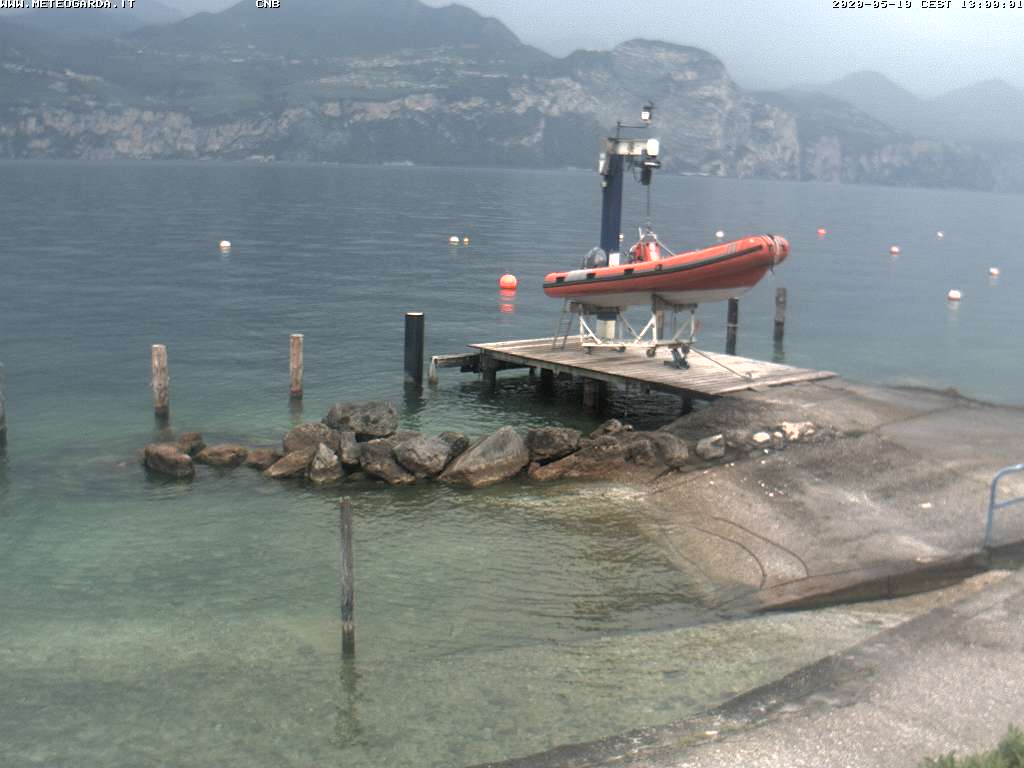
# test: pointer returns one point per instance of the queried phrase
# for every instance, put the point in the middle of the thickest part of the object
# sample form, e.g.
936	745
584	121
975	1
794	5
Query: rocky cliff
470	93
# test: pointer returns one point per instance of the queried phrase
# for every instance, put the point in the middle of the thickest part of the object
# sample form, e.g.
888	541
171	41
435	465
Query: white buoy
954	295
940	234
453	240
894	250
719	234
993	271
225	245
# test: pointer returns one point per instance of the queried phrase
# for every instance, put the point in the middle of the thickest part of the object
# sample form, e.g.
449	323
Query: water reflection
506	301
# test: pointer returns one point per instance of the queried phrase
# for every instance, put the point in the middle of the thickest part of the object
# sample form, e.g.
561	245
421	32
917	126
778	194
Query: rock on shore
496	457
369	420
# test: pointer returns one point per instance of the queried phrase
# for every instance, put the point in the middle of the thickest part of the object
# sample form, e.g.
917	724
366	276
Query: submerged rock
423	456
550	443
292	464
167	459
223	455
325	467
369	420
378	460
190	443
496	457
262	458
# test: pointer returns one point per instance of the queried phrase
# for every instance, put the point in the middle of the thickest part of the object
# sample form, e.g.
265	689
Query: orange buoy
822	231
508	282
993	271
954	295
894	250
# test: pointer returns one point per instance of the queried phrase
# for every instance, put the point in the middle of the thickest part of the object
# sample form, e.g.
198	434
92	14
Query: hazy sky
771	43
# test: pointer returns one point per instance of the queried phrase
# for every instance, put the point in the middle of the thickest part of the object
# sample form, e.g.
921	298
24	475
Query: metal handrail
993	505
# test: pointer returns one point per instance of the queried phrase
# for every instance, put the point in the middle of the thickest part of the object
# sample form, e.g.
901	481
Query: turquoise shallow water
149	623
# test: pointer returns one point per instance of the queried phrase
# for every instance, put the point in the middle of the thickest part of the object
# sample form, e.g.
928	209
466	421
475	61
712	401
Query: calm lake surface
153	623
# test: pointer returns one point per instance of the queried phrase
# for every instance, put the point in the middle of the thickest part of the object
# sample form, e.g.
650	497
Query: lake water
145	622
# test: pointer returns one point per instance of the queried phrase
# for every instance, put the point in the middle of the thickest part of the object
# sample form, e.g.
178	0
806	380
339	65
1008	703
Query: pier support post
780	314
595	392
732	322
414	348
161	381
295	366
348	598
3	410
489	370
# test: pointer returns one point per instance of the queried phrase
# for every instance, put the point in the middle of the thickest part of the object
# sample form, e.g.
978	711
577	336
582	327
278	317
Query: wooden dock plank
708	376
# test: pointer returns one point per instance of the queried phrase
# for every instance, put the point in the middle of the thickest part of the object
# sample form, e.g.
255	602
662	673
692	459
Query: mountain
87	24
396	80
992	109
988	111
333	28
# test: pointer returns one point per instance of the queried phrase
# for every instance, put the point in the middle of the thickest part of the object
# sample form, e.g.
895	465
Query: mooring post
3	409
161	381
295	366
348	598
732	322
780	313
414	348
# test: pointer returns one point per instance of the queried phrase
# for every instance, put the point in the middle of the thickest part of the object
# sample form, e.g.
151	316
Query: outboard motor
596	257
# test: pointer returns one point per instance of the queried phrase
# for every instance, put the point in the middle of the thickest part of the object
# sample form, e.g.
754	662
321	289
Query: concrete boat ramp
889	499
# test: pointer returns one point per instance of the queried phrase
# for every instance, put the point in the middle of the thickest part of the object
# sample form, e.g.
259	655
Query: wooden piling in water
414	348
732	322
3	408
780	314
295	366
161	381
348	598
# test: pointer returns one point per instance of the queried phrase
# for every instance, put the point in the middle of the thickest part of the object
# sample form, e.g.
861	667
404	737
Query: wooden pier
709	375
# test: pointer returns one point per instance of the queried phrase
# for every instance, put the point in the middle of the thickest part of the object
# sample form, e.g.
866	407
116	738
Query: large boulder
495	458
611	427
309	435
423	456
457	443
222	455
378	460
166	459
551	443
347	448
672	450
600	458
619	455
369	420
292	464
190	443
262	458
711	448
325	467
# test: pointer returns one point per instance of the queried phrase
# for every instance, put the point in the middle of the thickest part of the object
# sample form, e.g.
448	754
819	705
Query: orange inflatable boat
649	272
